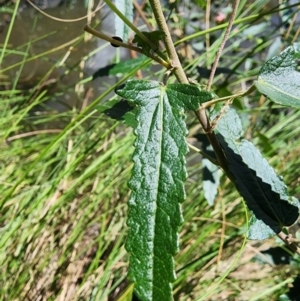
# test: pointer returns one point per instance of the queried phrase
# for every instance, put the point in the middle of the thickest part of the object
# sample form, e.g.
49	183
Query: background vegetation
64	168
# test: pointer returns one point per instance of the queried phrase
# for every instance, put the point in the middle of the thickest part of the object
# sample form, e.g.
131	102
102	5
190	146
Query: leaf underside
158	174
279	78
263	191
211	172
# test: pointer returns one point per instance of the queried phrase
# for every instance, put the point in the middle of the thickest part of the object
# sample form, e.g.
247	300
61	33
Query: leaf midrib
160	108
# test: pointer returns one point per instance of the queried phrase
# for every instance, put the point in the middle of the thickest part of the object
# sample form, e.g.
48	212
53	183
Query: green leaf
190	96
126	8
157	180
279	78
154	36
126	66
122	67
263	191
119	110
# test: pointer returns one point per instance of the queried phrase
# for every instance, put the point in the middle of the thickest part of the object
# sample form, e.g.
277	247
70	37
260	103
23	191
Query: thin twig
216	61
142	15
134	28
102	36
289	241
209	103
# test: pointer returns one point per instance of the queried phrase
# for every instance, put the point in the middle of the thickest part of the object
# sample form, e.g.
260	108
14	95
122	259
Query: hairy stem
181	77
171	51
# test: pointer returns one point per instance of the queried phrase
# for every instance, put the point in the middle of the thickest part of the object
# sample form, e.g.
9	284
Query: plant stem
241	94
289	241
134	28
181	77
219	52
171	51
201	112
102	36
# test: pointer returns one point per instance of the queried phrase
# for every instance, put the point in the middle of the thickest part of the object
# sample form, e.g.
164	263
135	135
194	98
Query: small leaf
190	96
119	110
104	71
126	8
263	191
122	67
157	180
154	36
127	66
279	78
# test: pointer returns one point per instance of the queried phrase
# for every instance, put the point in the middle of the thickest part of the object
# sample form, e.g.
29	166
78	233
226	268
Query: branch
181	77
133	28
289	241
171	51
102	36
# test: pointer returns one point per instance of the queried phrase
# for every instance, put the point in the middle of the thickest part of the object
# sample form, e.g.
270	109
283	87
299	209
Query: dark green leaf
264	192
153	36
157	183
104	71
122	67
119	110
190	96
128	65
279	78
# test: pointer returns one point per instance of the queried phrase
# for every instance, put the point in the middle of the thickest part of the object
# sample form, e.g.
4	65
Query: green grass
63	187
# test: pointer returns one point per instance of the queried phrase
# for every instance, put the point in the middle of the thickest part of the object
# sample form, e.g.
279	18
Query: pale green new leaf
279	78
158	175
